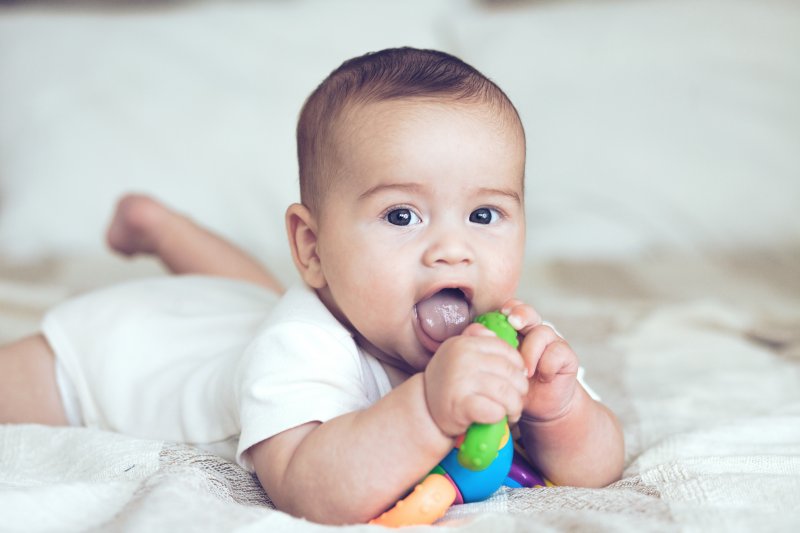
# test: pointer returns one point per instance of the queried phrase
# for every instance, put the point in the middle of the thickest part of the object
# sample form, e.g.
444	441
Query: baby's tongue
444	314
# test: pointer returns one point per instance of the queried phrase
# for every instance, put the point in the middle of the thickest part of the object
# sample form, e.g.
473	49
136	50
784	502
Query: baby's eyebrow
416	187
404	187
510	193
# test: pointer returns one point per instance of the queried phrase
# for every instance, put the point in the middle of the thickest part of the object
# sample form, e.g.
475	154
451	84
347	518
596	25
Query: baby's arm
572	438
143	225
353	467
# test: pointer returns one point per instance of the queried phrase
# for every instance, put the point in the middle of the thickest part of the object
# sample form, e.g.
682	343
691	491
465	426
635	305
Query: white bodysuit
217	363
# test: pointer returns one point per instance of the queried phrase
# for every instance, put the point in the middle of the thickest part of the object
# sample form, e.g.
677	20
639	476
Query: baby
344	392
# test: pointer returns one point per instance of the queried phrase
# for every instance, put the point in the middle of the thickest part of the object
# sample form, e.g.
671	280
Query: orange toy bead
427	503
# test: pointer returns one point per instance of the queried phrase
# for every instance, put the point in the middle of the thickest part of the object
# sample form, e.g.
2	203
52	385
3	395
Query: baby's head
394	75
412	218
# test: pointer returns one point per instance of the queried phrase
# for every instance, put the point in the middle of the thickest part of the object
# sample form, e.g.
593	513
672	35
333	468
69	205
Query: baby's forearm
583	448
352	468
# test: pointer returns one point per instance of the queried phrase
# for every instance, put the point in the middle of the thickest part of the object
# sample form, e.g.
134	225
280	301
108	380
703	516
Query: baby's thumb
478	330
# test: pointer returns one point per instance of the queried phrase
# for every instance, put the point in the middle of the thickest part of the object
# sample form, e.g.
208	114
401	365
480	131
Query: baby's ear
301	228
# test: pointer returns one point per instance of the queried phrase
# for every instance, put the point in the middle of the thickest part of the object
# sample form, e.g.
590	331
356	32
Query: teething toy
483	460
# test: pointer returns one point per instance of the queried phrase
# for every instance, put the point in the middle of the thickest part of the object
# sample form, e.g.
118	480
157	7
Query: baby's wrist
431	417
537	420
567	409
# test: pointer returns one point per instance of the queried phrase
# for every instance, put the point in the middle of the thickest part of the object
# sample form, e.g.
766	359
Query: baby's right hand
474	377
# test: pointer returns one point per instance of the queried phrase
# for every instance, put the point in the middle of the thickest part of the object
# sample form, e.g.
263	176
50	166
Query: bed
664	233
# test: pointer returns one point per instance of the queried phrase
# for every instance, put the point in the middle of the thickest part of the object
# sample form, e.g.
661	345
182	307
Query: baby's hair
391	74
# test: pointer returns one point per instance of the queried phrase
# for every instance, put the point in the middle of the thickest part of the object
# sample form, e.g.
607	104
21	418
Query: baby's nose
448	248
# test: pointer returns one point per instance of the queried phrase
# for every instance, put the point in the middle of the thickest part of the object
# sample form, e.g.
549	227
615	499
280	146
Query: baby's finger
534	345
513	407
483	410
488	410
558	358
510	372
494	346
478	330
500	389
521	316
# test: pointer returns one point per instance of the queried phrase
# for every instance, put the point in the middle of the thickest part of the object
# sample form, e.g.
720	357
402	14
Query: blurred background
654	127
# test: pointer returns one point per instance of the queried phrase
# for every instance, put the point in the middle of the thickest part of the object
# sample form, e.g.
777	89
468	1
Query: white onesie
202	360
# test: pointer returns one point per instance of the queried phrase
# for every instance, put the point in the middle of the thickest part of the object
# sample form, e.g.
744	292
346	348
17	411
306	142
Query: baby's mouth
441	316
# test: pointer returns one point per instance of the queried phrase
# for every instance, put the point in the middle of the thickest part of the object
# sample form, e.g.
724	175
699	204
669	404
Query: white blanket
708	391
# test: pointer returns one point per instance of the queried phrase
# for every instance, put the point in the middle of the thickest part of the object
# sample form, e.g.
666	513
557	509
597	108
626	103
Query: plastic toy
483	460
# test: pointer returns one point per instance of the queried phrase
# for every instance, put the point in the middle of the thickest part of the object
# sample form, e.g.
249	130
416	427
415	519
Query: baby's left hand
551	364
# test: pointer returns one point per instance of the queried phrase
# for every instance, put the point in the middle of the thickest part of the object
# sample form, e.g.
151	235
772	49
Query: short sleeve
293	373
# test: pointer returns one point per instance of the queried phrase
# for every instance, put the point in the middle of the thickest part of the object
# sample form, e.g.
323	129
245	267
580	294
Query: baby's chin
412	361
409	360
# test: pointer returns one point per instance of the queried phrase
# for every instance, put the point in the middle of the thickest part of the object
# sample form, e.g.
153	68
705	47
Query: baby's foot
137	225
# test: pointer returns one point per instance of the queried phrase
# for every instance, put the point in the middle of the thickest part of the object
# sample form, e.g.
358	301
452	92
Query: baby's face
428	197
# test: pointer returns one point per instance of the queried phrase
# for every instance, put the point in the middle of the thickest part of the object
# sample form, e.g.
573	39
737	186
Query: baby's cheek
505	280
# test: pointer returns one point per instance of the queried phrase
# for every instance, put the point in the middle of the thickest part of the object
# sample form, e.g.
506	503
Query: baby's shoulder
300	331
301	314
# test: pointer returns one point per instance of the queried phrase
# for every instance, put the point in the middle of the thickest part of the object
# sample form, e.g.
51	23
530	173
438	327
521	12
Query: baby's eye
402	217
484	215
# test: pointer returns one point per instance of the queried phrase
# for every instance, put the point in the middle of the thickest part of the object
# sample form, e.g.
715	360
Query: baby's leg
142	225
28	390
